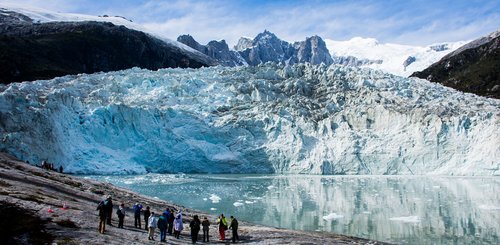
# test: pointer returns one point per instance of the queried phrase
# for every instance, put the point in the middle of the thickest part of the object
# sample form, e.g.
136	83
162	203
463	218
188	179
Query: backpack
100	206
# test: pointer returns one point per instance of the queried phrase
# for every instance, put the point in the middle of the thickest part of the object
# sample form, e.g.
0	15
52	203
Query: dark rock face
217	50
31	51
313	50
439	47
473	68
408	61
263	48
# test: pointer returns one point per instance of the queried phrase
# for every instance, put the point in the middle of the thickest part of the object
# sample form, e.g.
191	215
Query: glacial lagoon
399	209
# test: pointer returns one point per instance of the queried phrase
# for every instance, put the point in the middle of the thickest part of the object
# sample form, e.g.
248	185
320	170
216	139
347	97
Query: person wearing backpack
222	227
121	215
102	217
137	215
234	228
195	228
162	225
108	204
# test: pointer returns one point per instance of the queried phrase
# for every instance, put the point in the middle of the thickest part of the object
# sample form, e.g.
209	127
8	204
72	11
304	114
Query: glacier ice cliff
264	119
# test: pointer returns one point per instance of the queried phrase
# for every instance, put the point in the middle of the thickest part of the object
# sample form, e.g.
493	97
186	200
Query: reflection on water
402	209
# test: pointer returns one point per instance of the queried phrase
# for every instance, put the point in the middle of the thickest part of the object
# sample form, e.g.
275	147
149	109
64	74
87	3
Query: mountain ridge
265	47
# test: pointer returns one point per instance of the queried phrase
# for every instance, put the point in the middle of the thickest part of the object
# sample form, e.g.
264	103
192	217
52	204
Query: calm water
401	209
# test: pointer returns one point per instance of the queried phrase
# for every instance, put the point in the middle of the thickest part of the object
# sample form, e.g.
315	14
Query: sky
411	22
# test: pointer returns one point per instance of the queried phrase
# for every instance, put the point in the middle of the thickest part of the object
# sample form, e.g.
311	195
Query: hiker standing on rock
102	216
137	215
206	224
121	215
178	226
195	228
234	227
147	213
162	225
151	225
222	227
108	204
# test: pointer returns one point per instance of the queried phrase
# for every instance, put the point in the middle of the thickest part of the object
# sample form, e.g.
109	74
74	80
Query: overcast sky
395	21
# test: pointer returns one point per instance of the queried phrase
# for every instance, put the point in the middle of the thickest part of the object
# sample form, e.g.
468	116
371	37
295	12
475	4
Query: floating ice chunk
237	204
406	219
215	198
333	216
249	202
204	199
213	209
271	187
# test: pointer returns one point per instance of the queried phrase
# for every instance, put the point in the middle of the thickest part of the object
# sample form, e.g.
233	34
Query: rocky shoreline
28	193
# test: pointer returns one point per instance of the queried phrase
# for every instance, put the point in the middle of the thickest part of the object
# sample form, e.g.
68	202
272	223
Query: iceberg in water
264	119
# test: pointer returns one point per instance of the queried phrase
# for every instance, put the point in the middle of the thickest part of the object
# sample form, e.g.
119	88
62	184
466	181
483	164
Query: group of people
167	222
50	166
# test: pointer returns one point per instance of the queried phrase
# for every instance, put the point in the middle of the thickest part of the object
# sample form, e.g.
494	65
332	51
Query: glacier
313	119
390	57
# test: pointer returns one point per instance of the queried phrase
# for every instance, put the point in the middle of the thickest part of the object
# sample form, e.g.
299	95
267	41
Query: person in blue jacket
137	215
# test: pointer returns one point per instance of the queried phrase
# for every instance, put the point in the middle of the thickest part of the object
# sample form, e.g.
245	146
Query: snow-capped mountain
40	45
265	47
264	119
38	15
396	59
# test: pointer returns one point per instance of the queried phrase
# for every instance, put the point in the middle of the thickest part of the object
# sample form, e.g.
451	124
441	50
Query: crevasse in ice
264	119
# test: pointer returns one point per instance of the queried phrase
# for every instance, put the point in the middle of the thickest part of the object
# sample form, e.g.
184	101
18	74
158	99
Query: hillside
28	192
31	50
473	68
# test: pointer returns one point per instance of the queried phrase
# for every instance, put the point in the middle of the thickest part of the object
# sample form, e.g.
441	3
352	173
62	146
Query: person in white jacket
152	225
178	226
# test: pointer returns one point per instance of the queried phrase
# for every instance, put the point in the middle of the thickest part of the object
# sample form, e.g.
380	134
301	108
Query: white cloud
417	23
